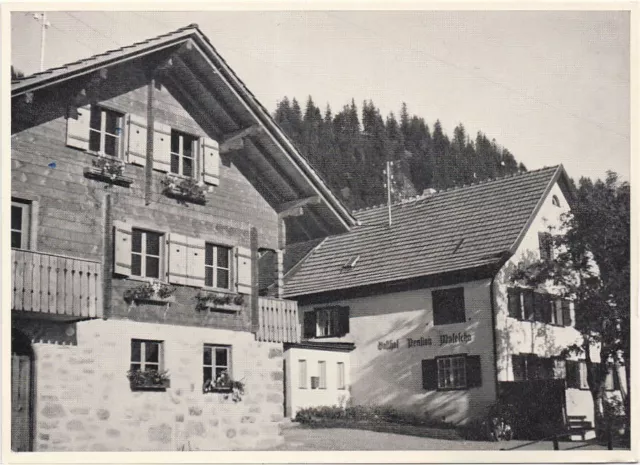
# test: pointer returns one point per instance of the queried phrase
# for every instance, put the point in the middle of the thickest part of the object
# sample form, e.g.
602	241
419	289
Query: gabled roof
193	49
449	231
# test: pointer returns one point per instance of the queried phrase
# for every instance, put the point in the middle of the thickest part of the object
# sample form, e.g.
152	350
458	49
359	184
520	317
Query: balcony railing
55	285
278	320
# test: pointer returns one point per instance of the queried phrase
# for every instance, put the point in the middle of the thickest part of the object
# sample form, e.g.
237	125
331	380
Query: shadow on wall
394	377
45	331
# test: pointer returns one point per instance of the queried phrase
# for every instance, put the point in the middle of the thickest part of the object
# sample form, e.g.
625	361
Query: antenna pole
42	17
388	184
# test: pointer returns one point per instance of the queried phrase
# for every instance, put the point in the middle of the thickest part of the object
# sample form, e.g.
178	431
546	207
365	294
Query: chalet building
425	309
152	197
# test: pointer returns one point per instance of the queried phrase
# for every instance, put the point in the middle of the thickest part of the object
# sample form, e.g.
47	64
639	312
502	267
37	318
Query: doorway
22	390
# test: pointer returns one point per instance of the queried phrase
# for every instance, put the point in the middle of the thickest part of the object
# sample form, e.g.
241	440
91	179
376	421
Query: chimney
429	191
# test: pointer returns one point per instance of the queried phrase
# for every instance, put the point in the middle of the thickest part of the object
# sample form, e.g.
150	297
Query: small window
217	266
555	201
452	373
326	322
529	367
146	254
341	382
146	355
528	305
302	374
448	306
20	223
322	374
183	148
545	241
105	129
216	367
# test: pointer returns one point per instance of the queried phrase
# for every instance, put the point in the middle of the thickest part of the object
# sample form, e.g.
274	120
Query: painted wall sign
388	345
423	341
454	338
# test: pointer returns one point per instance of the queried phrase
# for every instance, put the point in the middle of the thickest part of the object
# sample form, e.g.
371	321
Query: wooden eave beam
286	206
235	141
296	211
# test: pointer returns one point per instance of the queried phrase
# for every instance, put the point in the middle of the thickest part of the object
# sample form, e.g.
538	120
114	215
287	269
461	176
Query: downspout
493	333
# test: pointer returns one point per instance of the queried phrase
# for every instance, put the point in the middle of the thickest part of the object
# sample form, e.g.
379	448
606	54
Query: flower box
100	175
220	302
154	293
162	386
150	380
184	189
217	307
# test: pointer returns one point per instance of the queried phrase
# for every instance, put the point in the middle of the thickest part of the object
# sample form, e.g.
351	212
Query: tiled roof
452	230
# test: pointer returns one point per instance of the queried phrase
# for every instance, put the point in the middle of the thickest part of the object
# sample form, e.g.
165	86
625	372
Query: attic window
555	201
458	245
351	263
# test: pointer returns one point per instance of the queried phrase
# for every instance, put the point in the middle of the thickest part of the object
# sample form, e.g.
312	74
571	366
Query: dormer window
351	263
104	131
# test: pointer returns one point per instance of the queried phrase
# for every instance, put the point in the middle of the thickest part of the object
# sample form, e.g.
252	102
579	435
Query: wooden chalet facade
148	189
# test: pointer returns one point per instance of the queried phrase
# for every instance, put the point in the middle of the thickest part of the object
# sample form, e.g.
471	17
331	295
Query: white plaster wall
394	377
296	397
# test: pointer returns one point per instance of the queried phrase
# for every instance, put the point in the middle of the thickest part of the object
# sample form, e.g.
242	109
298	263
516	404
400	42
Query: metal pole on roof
387	171
42	17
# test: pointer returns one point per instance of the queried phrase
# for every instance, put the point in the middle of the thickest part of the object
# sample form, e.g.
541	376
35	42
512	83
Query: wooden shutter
209	151
565	305
538	306
309	325
474	372
513	296
137	139
195	262
161	147
573	374
78	119
343	321
615	374
528	304
243	270
430	374
122	246
178	245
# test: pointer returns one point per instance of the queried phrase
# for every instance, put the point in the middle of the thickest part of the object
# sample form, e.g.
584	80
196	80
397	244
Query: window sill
453	389
219	390
99	175
150	387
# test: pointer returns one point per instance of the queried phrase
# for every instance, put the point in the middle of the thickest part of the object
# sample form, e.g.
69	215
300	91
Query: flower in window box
110	167
220	301
151	291
224	383
184	188
148	379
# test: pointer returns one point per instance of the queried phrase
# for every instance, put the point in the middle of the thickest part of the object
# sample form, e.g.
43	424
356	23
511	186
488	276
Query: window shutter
78	127
195	262
122	246
538	306
513	296
137	140
210	159
430	374
343	321
161	147
573	374
309	325
566	312
527	299
243	270
178	245
474	373
615	374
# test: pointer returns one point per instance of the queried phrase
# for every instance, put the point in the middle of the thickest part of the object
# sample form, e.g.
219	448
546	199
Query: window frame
103	131
143	254
341	376
535	367
527	296
143	363
181	156
322	374
451	358
334	320
214	366
26	207
302	374
214	266
439	295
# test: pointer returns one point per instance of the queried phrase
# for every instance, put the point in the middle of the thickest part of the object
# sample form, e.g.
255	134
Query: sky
550	86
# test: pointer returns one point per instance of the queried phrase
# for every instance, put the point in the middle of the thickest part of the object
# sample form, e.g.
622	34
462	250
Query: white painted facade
301	365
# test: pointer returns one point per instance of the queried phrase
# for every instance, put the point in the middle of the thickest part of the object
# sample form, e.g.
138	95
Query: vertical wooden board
53	284
280	310
61	288
83	288
261	320
68	286
37	273
99	291
28	282
92	296
18	279
44	283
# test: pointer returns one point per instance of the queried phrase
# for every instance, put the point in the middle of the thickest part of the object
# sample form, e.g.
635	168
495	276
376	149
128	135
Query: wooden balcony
56	286
278	320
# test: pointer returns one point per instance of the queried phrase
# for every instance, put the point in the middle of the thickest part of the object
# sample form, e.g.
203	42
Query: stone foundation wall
83	400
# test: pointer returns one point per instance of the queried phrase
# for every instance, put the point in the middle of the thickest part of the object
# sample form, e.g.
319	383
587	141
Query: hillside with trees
350	149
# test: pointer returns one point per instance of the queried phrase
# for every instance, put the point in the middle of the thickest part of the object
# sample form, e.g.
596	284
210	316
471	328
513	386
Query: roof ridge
107	52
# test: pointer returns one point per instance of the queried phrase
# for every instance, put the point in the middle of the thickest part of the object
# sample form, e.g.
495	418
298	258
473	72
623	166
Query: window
182	154
555	201
216	364
545	241
525	304
577	376
322	374
146	252
326	322
453	372
448	306
146	355
302	374
104	131
217	266
20	215
530	366
341	383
